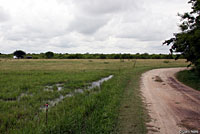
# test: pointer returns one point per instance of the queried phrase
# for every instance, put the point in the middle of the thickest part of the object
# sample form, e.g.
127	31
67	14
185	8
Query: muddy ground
173	107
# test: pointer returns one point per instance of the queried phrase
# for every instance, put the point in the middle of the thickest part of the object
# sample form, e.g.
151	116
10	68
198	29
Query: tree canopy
49	54
19	53
187	42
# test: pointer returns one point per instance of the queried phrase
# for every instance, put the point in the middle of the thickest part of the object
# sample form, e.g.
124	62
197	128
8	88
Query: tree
102	56
125	56
49	54
187	42
19	53
117	56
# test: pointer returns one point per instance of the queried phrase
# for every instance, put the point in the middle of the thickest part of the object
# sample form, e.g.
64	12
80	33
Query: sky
89	26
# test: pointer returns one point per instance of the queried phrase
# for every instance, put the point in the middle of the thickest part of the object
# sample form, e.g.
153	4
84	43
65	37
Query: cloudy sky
94	26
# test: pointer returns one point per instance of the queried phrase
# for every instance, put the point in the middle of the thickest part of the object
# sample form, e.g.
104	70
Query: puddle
48	88
99	82
57	87
95	84
16	99
56	101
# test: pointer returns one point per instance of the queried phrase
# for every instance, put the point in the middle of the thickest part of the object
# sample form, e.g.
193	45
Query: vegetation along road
172	106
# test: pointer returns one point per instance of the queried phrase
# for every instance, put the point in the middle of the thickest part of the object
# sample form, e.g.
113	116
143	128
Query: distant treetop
49	54
19	54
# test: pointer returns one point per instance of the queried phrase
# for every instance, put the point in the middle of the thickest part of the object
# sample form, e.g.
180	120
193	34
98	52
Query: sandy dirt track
172	106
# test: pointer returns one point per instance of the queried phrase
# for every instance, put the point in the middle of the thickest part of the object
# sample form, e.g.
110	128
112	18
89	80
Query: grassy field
190	78
114	108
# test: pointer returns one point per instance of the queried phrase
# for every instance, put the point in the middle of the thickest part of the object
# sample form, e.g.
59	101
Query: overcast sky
94	26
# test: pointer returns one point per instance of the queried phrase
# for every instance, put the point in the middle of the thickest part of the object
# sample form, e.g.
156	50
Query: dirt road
172	106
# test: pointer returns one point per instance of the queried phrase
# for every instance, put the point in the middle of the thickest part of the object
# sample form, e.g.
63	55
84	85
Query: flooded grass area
59	87
84	95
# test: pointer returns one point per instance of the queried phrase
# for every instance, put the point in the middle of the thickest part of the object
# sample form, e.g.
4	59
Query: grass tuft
190	78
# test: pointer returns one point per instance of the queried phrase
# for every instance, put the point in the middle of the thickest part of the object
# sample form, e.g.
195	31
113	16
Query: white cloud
87	24
4	16
102	7
104	26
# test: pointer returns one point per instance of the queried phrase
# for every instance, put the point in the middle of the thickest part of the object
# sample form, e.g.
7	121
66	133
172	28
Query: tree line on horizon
51	55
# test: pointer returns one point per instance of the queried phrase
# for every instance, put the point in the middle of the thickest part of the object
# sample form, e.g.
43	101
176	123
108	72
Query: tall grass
190	78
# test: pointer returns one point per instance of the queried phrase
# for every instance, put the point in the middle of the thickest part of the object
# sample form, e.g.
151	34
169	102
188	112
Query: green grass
190	78
116	108
132	113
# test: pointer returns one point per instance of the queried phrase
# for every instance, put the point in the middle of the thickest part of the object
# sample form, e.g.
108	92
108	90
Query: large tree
49	54
19	53
187	42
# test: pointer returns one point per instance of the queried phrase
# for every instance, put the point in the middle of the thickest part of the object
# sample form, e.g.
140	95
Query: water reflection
95	84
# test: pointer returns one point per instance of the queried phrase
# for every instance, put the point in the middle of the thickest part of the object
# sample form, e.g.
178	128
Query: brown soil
172	106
